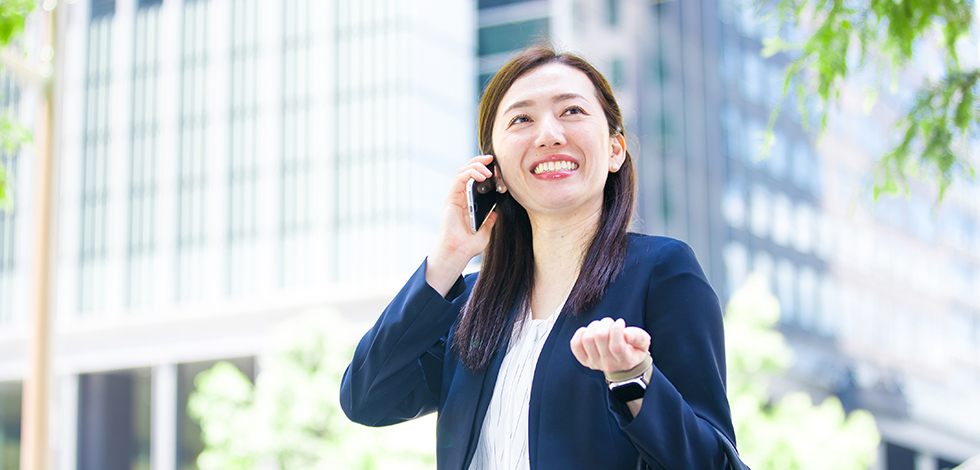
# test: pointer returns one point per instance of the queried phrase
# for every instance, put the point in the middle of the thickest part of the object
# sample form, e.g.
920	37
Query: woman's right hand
456	244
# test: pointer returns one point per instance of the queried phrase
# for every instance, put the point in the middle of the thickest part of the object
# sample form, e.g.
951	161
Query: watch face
628	391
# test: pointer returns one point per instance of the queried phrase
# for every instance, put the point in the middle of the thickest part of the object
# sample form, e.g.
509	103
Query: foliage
291	418
13	14
12	135
848	36
790	433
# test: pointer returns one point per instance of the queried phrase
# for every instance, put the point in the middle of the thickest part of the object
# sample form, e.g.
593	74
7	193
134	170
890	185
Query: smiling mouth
548	167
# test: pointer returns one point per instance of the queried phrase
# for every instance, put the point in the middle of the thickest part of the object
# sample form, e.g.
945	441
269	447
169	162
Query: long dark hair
508	261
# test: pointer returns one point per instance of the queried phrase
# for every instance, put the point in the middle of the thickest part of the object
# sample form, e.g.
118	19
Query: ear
497	178
618	144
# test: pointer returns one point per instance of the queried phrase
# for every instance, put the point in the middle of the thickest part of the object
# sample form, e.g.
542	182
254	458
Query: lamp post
34	447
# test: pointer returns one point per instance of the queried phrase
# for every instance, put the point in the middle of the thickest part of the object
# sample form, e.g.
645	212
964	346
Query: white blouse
503	438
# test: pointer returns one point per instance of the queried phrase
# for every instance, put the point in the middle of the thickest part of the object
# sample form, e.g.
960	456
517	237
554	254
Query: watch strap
638	371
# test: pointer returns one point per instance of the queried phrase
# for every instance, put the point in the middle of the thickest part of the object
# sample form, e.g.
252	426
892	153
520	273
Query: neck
560	244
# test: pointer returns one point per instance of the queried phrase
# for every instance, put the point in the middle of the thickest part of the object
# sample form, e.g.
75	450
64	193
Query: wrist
638	370
631	385
441	274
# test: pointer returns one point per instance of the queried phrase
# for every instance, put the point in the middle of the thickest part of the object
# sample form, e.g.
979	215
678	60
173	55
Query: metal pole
34	425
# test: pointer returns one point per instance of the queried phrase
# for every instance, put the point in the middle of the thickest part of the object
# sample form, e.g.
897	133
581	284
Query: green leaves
12	136
942	115
13	13
788	432
291	418
851	35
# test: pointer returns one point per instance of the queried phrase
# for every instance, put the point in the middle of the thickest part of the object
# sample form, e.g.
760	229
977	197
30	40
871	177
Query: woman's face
552	142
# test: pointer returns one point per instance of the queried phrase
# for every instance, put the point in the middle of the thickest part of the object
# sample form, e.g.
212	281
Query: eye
519	119
573	110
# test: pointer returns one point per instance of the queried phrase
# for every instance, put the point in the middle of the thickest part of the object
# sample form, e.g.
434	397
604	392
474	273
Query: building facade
879	300
226	164
223	165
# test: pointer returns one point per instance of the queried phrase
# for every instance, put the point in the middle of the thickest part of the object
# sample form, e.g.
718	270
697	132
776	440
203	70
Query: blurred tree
13	13
789	433
291	418
844	36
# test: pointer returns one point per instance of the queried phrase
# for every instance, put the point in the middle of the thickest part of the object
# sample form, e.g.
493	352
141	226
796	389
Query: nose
550	133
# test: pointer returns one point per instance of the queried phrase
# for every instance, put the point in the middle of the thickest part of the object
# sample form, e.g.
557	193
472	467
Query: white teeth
555	166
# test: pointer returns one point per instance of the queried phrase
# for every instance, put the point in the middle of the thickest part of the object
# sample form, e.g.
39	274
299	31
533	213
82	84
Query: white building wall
390	120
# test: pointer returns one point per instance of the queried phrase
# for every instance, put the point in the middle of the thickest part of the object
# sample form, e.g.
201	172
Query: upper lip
554	158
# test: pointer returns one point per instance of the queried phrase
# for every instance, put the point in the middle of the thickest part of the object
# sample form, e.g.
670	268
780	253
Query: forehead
546	82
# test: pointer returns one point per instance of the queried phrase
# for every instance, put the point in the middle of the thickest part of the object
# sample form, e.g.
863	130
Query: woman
525	363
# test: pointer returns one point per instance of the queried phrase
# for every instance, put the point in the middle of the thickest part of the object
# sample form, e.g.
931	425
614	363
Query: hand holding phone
481	198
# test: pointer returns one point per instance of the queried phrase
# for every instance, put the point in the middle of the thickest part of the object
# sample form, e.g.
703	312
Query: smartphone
481	197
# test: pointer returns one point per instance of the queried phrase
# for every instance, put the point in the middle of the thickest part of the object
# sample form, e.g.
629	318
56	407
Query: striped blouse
503	437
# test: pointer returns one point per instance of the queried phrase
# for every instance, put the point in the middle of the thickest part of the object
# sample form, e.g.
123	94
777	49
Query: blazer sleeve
396	372
686	395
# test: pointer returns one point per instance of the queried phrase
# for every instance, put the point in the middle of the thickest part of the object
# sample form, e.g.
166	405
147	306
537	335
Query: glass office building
224	165
878	300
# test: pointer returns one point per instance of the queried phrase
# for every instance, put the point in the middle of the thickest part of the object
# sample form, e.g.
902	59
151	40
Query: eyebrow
556	99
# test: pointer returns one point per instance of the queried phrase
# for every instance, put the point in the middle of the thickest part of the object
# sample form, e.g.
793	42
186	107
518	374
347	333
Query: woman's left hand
610	346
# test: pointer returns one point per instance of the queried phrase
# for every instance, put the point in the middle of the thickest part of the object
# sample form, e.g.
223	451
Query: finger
488	224
591	352
578	350
602	339
472	172
637	338
619	349
481	162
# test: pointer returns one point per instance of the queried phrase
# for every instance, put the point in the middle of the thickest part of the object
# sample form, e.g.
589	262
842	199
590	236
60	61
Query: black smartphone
481	197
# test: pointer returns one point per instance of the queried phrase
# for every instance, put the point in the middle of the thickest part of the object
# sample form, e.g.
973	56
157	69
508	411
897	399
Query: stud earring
500	189
614	167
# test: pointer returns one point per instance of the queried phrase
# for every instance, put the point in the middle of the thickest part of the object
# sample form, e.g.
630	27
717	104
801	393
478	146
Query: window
831	306
497	3
804	228
733	206
731	62
760	213
192	176
806	168
114	420
763	265
243	170
296	225
783	220
748	23
731	120
778	159
613	12
9	102
808	299
102	8
97	134
786	291
11	394
736	266
753	80
755	132
826	232
507	37
618	73
145	130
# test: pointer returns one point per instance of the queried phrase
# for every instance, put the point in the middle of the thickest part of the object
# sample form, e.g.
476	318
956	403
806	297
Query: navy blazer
405	367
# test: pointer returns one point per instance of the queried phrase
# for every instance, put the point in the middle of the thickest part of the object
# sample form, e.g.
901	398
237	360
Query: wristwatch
628	390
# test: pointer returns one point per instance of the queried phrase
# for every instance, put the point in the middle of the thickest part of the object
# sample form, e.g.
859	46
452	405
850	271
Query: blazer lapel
461	417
